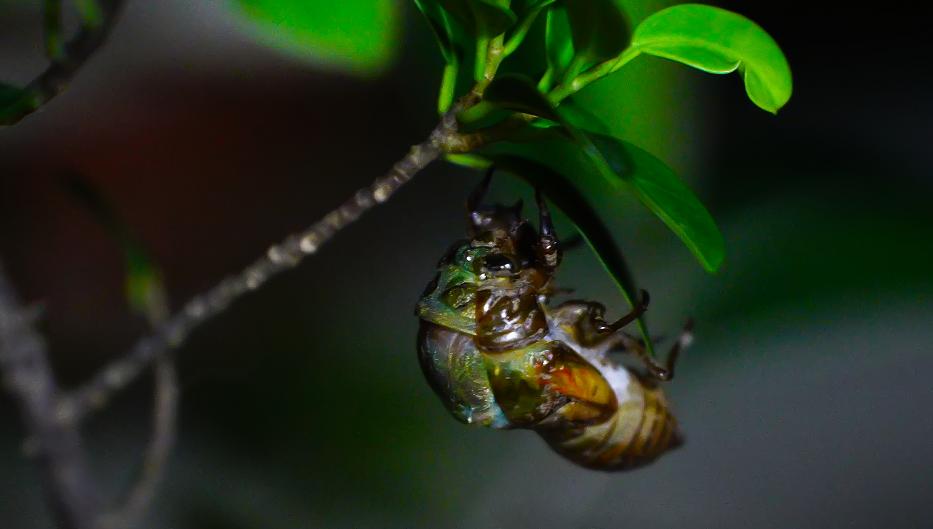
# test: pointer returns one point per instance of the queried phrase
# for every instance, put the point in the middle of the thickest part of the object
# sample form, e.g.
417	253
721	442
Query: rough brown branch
57	443
277	259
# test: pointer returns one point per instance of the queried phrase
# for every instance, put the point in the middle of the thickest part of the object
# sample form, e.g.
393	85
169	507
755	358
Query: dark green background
805	401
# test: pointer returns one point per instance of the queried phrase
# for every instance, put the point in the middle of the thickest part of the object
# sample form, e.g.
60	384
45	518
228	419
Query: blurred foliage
143	285
13	101
359	36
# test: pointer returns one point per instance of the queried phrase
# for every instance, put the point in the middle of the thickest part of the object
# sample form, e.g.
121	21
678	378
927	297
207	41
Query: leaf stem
581	81
521	29
448	88
479	67
492	59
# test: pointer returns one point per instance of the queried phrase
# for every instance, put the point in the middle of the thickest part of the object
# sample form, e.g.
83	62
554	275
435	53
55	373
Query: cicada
499	355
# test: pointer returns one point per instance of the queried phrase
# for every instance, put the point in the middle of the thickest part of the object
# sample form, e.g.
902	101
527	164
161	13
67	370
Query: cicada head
496	276
515	245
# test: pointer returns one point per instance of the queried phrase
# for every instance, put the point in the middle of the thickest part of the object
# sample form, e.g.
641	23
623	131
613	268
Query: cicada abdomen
498	356
641	428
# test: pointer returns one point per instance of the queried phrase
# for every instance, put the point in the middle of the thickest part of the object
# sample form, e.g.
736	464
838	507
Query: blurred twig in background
53	418
97	18
146	295
56	441
51	428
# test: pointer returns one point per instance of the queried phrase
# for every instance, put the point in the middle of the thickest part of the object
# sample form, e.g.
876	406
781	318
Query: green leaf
718	41
482	18
453	44
665	194
599	28
573	199
527	11
440	25
143	287
14	104
558	46
618	162
518	93
582	117
359	36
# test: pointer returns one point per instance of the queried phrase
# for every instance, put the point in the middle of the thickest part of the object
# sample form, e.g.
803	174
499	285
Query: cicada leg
637	311
660	371
582	322
479	193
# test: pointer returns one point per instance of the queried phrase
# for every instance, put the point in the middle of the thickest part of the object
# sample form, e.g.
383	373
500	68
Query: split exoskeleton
499	356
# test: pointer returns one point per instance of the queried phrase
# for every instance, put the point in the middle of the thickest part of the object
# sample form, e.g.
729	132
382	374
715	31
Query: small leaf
573	201
440	25
719	41
600	30
360	36
518	93
665	194
558	46
143	287
482	18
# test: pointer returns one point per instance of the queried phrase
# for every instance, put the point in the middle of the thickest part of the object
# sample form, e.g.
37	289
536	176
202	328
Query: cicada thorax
509	316
498	356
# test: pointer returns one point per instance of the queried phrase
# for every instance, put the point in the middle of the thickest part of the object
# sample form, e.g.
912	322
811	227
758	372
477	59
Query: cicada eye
501	265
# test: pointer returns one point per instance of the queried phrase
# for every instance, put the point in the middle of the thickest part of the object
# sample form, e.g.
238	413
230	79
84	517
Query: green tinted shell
452	364
449	299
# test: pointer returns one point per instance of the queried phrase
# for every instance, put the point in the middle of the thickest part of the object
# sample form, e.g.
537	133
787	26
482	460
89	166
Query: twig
28	376
164	423
278	258
98	17
140	496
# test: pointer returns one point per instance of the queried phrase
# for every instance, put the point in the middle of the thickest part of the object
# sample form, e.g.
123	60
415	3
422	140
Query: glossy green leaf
665	194
522	7
14	104
618	162
518	93
359	36
576	202
453	44
483	18
719	41
599	29
558	45
581	117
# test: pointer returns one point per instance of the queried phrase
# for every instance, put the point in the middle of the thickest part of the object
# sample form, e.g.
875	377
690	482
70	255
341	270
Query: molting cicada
498	355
